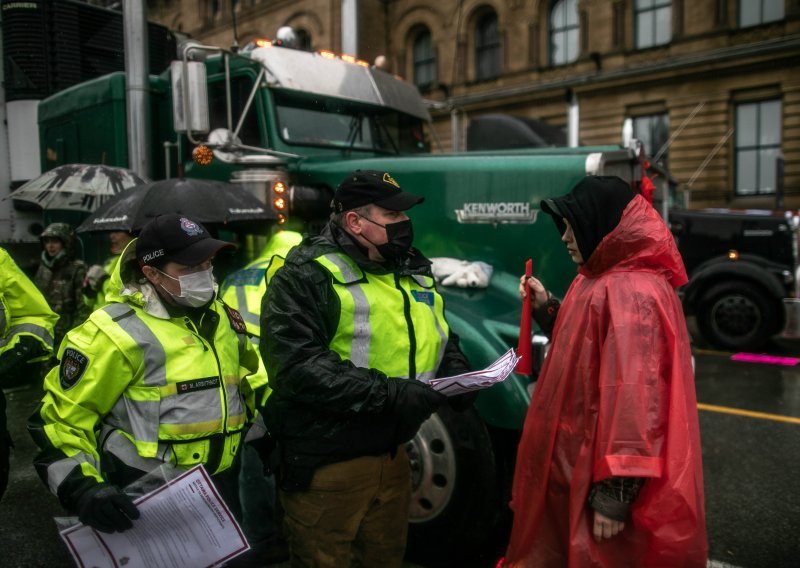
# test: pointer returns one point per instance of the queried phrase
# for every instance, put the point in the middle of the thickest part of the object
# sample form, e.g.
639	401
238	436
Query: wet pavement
751	462
751	465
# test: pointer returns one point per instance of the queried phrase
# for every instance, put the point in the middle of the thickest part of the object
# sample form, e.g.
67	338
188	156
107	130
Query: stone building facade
712	86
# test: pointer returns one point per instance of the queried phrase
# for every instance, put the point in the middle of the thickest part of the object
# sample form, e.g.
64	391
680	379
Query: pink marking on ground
765	359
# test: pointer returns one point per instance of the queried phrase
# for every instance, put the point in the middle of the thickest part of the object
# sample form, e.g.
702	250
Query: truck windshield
336	123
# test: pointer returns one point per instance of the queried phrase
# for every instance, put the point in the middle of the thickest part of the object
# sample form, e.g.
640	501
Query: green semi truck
290	125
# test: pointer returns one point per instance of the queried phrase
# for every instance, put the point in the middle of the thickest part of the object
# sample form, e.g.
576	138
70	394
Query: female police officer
163	374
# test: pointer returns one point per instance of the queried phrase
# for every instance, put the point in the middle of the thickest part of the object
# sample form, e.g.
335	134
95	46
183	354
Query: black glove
26	348
106	508
414	402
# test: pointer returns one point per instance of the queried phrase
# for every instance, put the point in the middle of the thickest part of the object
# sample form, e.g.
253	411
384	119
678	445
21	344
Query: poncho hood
641	240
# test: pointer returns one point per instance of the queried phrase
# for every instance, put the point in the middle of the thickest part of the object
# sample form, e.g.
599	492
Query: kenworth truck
290	125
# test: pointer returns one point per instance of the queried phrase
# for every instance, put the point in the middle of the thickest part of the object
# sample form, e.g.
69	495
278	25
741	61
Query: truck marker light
279	187
348	58
281	218
263	43
327	54
733	255
202	155
279	203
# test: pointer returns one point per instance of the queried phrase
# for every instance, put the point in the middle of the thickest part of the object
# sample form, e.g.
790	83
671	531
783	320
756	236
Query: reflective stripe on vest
58	471
30	328
178	396
411	314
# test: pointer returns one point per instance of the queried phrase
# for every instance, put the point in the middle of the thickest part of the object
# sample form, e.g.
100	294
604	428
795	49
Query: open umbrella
213	203
77	187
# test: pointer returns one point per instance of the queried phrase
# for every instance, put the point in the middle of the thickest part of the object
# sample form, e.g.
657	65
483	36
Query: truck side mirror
189	97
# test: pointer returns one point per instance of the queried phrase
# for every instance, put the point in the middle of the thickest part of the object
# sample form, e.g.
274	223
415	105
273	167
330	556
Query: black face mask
399	236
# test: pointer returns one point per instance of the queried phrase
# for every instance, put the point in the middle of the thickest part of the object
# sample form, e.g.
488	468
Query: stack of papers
184	524
476	380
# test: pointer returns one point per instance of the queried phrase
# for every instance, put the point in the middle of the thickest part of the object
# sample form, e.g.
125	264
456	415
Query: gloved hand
12	361
106	508
414	402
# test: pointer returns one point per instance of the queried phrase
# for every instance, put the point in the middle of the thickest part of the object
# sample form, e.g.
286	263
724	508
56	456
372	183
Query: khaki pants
355	513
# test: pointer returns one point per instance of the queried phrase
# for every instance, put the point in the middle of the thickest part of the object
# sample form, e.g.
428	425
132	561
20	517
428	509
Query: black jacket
324	409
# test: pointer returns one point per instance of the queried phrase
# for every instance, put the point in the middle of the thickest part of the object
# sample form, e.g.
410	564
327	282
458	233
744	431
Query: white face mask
197	288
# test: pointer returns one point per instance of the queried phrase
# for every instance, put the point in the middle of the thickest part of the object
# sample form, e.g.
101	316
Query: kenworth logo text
497	212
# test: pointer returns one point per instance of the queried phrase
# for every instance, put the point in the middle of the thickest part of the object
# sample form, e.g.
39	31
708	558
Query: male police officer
351	325
163	374
26	336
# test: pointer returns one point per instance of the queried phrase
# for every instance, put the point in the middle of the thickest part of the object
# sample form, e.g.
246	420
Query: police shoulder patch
236	319
73	365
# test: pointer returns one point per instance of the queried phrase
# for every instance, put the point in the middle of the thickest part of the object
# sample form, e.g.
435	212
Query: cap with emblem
176	238
365	187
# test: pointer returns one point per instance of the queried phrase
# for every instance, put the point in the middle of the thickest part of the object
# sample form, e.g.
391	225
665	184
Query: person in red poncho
609	469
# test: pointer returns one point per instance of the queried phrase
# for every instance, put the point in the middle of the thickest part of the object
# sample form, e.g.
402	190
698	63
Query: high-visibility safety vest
245	288
23	308
388	322
160	390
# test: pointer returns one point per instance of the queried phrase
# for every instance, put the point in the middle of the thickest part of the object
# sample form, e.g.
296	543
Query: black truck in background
743	268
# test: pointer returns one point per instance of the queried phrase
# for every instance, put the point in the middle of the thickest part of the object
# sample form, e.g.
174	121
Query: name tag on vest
197	385
424	297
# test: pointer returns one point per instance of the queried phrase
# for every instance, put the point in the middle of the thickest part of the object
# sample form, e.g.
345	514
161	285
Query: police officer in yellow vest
244	290
26	337
352	326
162	374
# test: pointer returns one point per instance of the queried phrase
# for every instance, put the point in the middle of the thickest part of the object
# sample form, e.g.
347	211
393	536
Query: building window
487	48
424	59
653	22
653	131
755	12
303	39
758	142
564	32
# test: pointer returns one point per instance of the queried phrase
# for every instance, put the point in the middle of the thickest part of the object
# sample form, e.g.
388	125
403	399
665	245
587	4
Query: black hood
593	207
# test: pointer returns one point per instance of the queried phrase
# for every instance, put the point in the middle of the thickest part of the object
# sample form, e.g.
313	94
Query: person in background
164	374
26	337
97	285
351	328
244	290
609	470
60	278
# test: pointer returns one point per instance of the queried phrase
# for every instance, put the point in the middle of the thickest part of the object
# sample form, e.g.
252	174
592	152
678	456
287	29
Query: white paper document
184	524
476	380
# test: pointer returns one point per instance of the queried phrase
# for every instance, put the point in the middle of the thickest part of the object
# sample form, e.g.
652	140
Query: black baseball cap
178	239
366	187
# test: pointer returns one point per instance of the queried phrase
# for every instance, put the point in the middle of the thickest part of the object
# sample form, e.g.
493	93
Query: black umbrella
215	204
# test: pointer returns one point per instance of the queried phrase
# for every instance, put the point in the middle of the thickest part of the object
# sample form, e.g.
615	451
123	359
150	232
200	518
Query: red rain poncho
615	398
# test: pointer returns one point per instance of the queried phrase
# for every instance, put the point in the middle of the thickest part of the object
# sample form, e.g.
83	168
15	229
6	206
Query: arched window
424	58
564	32
303	39
488	53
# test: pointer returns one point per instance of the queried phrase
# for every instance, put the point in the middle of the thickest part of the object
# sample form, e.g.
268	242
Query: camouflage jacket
62	286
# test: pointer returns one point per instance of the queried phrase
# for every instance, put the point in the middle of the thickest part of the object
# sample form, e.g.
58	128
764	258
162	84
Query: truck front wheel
737	316
455	499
